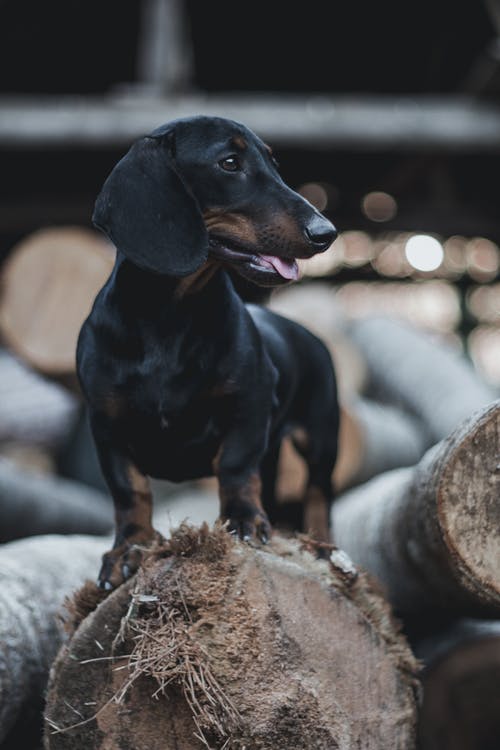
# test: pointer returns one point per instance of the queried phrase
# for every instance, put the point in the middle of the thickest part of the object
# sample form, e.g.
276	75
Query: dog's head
207	186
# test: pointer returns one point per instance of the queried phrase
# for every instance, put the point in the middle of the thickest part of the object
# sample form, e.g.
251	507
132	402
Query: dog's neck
138	290
196	281
128	274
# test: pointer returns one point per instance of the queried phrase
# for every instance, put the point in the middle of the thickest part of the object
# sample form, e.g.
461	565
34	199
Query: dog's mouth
266	270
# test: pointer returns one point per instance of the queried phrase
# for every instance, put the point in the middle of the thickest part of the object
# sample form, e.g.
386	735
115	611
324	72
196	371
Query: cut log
35	503
431	533
388	438
33	410
218	644
35	577
461	696
49	282
419	372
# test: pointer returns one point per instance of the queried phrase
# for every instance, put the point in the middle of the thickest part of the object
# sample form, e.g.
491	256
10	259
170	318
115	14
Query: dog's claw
104	585
125	571
257	529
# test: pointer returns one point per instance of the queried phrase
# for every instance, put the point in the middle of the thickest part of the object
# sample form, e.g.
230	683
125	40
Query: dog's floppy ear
148	213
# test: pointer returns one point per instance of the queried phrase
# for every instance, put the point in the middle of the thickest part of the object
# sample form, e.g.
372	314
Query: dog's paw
256	527
123	561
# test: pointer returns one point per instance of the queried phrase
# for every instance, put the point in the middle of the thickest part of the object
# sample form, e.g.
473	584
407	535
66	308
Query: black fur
181	378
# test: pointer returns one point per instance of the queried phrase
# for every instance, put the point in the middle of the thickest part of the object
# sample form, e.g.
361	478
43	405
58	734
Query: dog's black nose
321	233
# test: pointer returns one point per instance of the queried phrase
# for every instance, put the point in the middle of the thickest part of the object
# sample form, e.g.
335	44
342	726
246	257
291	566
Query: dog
181	378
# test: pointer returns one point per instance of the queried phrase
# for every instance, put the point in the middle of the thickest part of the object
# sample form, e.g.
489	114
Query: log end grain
49	282
221	643
468	500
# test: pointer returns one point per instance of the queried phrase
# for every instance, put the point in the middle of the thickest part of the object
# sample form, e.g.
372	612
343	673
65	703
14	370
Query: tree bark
35	503
461	696
35	577
422	375
430	533
243	647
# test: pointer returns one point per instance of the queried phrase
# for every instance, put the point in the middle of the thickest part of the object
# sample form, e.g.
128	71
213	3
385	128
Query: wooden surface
461	679
431	533
298	655
48	284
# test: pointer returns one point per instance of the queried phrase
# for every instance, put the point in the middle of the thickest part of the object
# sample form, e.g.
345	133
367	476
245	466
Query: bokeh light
454	263
379	206
389	256
484	303
482	259
432	304
323	195
358	248
323	264
423	252
315	194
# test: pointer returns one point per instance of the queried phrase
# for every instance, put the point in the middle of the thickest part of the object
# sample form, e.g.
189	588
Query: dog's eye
230	163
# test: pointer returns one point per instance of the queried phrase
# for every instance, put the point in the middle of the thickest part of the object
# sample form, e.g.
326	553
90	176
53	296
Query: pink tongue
286	268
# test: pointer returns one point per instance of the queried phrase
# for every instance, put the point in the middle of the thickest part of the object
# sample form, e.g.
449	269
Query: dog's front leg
237	470
133	502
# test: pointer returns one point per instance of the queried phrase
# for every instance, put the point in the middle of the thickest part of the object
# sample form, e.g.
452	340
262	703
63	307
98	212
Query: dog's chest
174	424
166	380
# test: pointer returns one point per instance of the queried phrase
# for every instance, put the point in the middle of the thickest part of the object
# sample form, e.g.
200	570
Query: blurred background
383	115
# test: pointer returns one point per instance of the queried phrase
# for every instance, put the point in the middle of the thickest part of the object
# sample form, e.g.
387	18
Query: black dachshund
182	379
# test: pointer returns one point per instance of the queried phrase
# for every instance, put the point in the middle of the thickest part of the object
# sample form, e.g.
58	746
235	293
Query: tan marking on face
316	508
286	225
230	226
272	231
239	142
196	281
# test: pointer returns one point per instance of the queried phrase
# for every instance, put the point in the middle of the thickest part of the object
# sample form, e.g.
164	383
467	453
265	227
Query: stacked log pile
431	531
427	529
219	644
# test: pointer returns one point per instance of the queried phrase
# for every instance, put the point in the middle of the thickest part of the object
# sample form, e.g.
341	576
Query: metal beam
164	55
368	123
